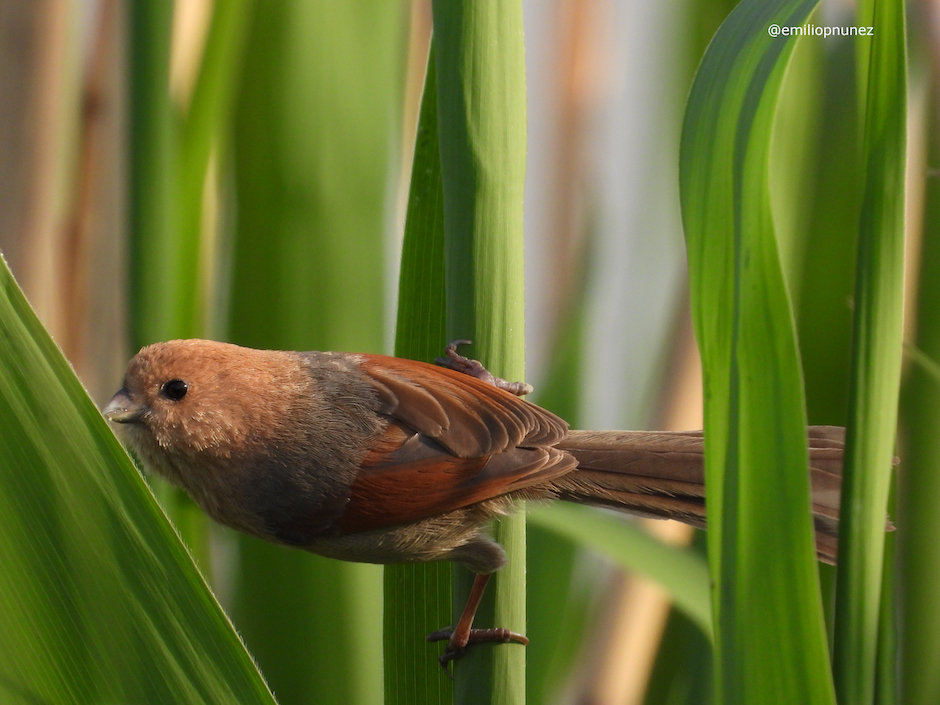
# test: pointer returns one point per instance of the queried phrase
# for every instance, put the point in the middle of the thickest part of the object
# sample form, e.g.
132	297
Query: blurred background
239	170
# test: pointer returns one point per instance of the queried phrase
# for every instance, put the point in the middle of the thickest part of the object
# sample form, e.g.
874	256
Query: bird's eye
175	389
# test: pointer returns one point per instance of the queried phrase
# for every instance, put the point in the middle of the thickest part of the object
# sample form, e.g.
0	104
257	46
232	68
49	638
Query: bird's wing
452	441
470	418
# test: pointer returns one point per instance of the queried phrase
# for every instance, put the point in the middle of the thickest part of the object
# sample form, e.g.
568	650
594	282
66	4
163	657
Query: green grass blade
769	633
482	121
824	316
919	483
202	129
163	261
100	600
420	332
418	597
887	683
876	360
864	17
156	292
680	571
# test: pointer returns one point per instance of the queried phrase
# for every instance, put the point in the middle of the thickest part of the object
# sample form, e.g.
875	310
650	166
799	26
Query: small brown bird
384	460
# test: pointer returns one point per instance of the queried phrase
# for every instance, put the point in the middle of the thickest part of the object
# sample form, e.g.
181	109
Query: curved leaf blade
101	601
876	359
769	628
679	571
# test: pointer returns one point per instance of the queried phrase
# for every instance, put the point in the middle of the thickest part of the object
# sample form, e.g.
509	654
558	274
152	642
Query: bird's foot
457	643
474	368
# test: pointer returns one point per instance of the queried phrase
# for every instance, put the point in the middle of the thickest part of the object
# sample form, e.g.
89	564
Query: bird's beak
121	409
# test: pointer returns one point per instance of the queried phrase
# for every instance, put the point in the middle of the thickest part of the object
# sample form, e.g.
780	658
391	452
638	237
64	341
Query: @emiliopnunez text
815	30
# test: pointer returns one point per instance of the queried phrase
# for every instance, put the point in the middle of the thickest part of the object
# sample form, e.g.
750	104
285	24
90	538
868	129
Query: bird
377	459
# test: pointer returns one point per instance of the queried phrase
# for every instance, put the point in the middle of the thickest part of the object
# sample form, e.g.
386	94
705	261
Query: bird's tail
662	475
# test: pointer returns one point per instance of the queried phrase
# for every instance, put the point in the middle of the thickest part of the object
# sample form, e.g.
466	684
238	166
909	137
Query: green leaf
155	244
202	131
481	122
876	359
769	633
418	596
100	600
680	571
311	152
919	483
824	293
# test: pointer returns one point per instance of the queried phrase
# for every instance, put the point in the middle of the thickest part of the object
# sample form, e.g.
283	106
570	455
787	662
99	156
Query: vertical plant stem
155	250
481	111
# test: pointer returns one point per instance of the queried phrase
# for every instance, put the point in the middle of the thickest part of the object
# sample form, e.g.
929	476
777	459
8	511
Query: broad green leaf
769	633
315	111
100	600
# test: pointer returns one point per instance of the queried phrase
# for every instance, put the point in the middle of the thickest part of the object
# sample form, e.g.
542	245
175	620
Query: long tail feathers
662	475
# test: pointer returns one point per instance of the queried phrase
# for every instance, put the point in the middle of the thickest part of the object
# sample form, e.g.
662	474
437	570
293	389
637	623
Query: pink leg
463	634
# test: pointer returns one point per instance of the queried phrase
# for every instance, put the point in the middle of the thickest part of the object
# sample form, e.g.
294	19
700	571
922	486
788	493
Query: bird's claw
474	368
458	647
441	634
451	652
